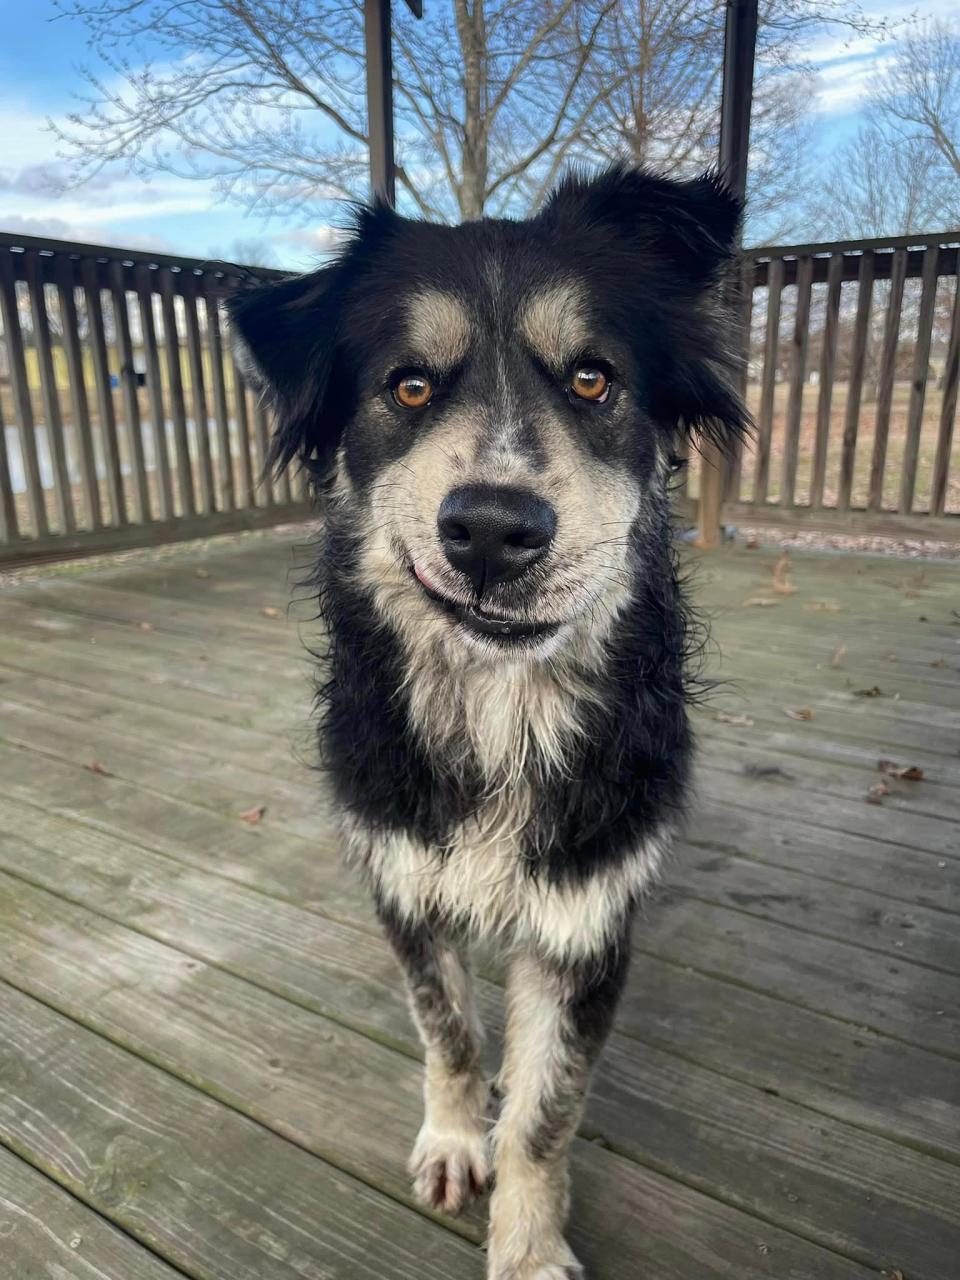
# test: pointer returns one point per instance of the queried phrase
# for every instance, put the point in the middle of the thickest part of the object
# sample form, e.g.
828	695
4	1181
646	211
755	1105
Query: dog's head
499	402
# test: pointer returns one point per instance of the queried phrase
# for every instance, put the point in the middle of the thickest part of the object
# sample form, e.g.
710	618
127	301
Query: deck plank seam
730	981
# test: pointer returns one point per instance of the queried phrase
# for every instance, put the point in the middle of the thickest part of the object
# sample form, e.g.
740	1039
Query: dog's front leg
449	1163
557	1020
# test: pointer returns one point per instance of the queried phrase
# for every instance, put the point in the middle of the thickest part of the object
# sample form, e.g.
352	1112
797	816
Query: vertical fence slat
298	484
768	392
887	377
101	372
948	407
858	358
9	529
178	410
79	403
798	371
63	495
228	497
282	486
733	471
244	443
143	278
128	383
201	423
918	388
261	431
21	396
828	369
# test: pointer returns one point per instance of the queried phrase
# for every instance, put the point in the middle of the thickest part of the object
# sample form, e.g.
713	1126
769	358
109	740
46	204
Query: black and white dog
491	412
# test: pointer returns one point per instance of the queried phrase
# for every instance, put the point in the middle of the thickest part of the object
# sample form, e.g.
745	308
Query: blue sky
39	56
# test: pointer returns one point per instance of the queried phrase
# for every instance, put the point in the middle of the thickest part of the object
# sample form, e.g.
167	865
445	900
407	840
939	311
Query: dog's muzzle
494	535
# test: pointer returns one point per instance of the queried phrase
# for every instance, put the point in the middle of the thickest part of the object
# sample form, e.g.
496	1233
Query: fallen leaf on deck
877	792
822	606
873	692
270	611
839	653
96	767
761	601
892	1275
909	772
766	771
253	815
781	583
201	573
145	626
726	718
800	713
893	657
939	662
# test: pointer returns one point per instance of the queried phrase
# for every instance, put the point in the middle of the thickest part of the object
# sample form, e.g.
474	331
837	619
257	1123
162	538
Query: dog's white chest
482	883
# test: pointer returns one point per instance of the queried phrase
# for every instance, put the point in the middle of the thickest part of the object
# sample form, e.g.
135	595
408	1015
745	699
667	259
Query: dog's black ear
692	224
285	336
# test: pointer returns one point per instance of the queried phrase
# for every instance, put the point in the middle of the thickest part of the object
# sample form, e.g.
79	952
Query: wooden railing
124	419
851	372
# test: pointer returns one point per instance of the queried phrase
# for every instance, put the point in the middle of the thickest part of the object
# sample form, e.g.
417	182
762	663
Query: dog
492	413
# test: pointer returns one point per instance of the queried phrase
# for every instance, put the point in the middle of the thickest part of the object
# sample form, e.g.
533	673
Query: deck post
739	49
379	52
378	48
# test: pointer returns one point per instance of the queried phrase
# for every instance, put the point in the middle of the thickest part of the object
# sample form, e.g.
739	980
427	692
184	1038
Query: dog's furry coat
509	759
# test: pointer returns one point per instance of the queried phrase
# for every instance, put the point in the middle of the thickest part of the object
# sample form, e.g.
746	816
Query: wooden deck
206	1064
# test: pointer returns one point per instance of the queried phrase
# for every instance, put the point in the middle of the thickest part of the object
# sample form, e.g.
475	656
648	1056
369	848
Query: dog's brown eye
413	391
589	383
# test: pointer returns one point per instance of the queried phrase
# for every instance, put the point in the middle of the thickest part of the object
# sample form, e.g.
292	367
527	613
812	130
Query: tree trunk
471	27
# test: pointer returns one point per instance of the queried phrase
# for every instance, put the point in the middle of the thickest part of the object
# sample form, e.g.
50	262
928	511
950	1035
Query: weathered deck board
781	1097
116	980
216	1194
332	970
805	971
46	1232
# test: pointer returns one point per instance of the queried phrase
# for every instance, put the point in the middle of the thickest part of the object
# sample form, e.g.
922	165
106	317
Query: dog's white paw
555	1261
449	1168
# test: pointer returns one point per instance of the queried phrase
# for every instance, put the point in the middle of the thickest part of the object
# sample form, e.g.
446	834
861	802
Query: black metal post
379	52
739	51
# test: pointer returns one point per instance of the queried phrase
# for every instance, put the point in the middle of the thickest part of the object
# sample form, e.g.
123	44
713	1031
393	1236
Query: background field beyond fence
125	418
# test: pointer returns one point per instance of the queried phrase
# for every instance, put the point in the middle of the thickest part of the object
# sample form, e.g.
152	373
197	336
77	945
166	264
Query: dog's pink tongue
422	577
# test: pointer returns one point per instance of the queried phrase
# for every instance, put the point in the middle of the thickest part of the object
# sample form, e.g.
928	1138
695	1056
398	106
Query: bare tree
267	96
879	185
662	104
918	96
493	96
901	173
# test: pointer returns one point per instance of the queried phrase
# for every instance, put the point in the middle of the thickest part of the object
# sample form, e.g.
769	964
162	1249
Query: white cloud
36	198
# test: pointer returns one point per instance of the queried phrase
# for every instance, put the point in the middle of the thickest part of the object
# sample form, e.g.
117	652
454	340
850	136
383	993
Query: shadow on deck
206	1065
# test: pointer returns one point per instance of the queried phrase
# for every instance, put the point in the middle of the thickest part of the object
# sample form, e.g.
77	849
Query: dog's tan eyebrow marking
440	328
554	323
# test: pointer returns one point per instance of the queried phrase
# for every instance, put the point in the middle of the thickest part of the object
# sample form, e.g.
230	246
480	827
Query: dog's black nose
494	535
